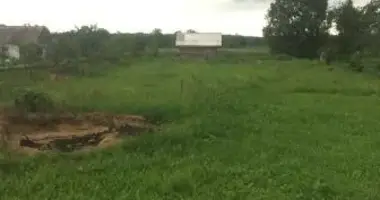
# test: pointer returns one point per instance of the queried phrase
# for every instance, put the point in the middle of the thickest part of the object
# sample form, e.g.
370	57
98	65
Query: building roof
19	34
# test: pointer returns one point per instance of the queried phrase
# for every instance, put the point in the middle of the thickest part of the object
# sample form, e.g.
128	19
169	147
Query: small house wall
199	39
205	52
12	51
198	44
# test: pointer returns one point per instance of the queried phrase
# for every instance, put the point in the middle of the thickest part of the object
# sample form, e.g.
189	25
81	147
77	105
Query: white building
11	37
205	44
11	51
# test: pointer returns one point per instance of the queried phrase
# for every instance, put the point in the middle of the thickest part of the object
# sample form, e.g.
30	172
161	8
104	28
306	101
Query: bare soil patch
66	132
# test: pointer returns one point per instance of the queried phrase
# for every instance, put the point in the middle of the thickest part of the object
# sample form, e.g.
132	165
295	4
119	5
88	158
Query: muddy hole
67	132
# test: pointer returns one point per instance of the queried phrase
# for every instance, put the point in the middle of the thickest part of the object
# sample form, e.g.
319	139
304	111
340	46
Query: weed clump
356	62
34	101
283	57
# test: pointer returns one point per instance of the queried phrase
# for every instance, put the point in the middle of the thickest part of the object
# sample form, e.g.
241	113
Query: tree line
98	43
300	28
305	28
91	43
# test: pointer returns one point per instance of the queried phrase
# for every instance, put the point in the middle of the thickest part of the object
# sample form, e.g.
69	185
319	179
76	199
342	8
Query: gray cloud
268	1
243	5
255	1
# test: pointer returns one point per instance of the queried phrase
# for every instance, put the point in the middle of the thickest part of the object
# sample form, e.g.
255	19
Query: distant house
10	51
13	38
204	44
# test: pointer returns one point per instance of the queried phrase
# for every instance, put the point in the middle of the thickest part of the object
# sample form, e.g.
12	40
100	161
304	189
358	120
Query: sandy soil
67	132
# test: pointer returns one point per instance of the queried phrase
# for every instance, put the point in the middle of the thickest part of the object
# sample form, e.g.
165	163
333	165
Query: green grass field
231	129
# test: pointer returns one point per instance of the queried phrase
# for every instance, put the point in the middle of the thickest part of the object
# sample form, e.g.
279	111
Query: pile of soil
66	132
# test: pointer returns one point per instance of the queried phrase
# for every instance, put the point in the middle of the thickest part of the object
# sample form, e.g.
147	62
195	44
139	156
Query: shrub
356	62
378	67
32	101
283	57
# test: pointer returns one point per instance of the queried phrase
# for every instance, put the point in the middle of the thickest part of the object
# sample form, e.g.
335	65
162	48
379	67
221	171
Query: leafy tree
84	42
91	40
63	47
349	25
156	38
139	44
238	41
357	27
31	53
358	31
117	46
297	27
45	36
371	26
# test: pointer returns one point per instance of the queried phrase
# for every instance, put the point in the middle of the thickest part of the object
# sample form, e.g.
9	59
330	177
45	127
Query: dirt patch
66	132
58	77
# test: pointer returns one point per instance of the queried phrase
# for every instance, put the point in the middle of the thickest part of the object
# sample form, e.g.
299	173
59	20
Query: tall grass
272	129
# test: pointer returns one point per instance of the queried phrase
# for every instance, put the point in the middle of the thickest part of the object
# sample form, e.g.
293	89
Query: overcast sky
244	17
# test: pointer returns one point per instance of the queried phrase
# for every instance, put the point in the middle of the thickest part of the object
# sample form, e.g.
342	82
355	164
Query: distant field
234	128
258	49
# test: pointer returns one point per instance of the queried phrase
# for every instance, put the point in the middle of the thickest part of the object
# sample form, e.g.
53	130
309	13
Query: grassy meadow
239	127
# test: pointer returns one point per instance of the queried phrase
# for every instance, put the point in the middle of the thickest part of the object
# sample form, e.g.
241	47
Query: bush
356	62
283	57
44	64
377	67
32	101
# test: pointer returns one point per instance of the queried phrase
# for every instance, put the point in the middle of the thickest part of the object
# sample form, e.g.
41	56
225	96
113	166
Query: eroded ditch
67	132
